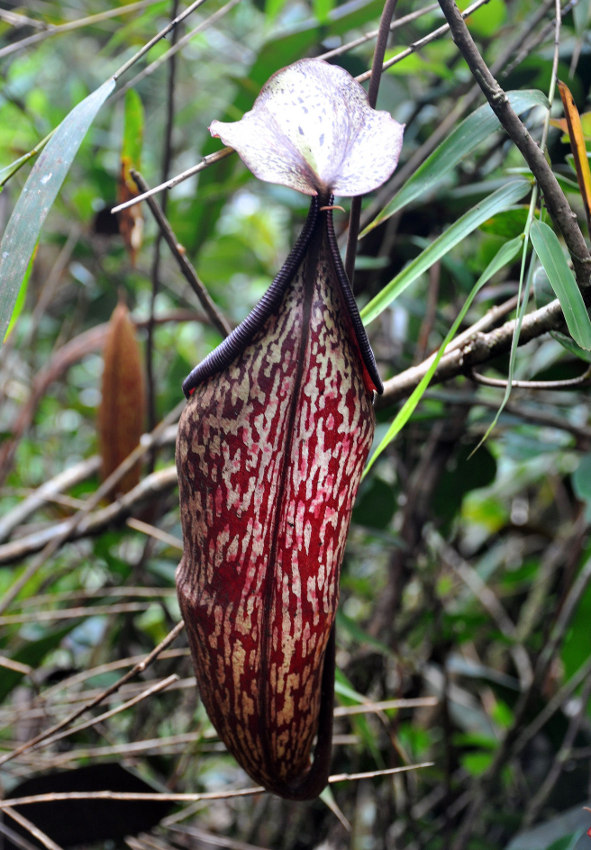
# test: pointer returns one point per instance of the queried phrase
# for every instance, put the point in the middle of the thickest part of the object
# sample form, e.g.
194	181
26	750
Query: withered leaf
131	220
122	408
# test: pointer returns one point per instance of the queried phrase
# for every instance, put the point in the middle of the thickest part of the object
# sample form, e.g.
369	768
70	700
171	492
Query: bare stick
191	276
399	22
191	798
174	181
42	837
92	502
83	524
476	349
138	668
565	384
153	66
146	693
160	35
421	42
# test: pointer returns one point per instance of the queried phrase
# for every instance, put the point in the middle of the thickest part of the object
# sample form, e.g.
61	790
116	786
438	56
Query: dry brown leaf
122	409
131	220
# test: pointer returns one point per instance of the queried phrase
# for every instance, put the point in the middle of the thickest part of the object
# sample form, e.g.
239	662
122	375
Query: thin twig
397	24
158	37
100	493
51	491
145	693
75	679
370	707
421	42
156	533
37	833
192	798
56	29
86	522
136	670
372	97
178	252
208	160
157	63
564	384
72	613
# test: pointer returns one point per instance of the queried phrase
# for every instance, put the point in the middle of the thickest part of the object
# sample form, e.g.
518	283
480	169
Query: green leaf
322	10
581	17
348	696
272	9
543	295
22	294
133	129
550	253
500	200
38	195
466	137
581	479
504	256
10	170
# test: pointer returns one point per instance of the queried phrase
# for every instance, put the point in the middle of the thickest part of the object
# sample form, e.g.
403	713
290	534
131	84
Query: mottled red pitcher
272	445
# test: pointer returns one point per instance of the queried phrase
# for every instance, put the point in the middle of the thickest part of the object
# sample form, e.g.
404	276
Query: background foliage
465	588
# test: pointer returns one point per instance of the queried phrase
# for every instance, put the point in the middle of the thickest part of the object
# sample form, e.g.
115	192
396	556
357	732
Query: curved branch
560	211
475	350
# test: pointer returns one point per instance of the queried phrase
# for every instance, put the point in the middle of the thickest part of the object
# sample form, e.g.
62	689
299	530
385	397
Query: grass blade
466	137
549	250
499	201
505	255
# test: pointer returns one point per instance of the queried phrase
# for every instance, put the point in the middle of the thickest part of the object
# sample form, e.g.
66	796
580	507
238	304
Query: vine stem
214	315
372	96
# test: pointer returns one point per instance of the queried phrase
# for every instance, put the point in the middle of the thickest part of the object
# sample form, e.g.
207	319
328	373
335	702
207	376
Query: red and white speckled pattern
270	453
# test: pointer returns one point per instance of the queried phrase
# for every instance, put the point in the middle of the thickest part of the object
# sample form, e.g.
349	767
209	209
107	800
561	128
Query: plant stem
372	96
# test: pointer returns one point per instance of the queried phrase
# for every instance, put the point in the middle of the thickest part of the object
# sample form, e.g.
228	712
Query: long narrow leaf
505	255
499	201
22	295
547	247
38	195
525	284
10	170
466	137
